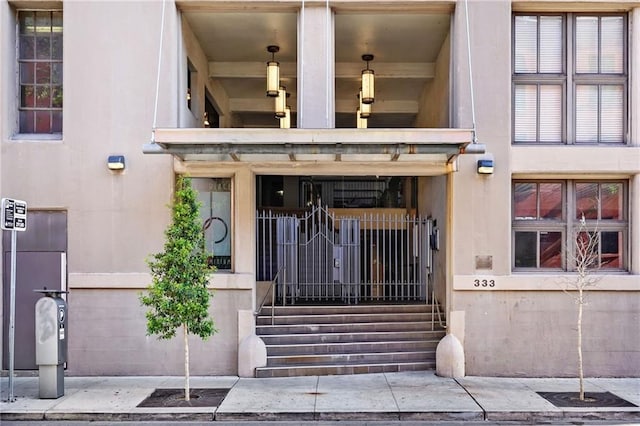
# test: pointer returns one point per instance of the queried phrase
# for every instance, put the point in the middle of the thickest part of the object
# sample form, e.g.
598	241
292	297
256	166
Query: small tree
586	258
178	296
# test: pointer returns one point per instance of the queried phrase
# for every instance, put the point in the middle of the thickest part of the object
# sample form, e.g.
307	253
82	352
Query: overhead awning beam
392	144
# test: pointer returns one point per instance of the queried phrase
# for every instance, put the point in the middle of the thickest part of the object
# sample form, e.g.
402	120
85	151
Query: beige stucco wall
107	337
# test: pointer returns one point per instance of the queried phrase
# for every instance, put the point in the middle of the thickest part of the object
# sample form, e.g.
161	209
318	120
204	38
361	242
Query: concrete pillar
316	69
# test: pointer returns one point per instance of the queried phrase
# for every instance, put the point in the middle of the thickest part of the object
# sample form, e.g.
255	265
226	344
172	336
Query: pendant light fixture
365	109
281	102
273	72
368	80
285	122
361	123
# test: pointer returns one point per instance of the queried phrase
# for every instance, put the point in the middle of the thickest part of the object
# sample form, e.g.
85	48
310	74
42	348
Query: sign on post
14	215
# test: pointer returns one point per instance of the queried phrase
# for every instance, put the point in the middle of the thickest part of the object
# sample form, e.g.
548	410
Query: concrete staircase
327	340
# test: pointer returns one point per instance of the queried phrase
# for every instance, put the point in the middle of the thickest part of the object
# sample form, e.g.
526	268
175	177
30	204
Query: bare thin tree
586	260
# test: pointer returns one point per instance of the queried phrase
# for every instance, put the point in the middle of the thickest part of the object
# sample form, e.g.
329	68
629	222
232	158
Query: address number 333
481	282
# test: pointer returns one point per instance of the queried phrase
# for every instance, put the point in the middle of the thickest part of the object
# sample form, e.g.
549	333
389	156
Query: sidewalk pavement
413	396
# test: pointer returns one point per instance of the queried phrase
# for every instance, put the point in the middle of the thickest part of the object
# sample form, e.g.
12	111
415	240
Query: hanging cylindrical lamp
361	123
273	72
285	122
368	82
365	109
281	102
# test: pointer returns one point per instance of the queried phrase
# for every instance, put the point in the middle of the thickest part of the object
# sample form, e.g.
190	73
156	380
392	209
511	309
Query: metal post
12	313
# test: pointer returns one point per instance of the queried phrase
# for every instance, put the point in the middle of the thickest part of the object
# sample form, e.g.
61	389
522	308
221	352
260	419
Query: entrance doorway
366	244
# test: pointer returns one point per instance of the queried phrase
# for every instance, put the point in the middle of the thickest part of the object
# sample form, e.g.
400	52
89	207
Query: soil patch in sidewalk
175	398
591	399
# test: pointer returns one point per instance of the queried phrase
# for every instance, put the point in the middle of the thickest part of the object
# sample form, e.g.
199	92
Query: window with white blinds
569	79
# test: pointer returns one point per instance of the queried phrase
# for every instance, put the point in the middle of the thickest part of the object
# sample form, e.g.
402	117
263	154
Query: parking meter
51	342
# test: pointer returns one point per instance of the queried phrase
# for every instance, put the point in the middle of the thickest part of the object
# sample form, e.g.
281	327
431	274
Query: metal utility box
51	342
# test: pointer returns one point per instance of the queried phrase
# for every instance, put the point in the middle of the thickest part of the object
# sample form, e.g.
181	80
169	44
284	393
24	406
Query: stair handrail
273	296
435	305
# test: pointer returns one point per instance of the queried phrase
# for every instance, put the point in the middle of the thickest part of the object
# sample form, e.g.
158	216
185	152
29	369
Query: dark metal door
40	262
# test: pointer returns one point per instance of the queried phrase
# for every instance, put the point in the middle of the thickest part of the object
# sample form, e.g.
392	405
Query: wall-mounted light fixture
115	162
368	81
273	72
281	102
365	109
485	166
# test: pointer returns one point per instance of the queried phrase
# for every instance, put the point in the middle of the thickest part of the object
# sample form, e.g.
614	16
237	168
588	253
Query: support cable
473	108
155	105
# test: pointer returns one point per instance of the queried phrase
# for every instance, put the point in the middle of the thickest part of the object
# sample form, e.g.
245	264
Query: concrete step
347	337
352	358
344	318
342	309
352	347
343	328
327	370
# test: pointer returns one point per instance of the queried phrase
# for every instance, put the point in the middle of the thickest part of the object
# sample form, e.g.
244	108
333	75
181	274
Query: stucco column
316	70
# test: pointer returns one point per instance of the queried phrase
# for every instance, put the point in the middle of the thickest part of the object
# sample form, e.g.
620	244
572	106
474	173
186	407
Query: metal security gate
325	258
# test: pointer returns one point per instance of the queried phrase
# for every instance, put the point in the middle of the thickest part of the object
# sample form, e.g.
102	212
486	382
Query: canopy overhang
299	145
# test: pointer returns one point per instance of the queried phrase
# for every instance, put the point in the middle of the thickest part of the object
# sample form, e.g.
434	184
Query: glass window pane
526	44
27	73
27	121
550	113
612	44
550	200
27	47
525	201
27	96
43	22
56	96
56	47
611	113
43	122
611	256
586	113
587	200
43	96
525	250
586	256
525	113
27	22
56	73
56	122
550	249
43	72
550	44
611	201
43	47
587	44
56	22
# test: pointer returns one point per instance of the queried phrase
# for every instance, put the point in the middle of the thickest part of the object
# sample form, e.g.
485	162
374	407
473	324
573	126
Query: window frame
21	134
569	222
570	79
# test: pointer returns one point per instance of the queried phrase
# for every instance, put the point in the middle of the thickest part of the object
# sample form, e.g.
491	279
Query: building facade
546	94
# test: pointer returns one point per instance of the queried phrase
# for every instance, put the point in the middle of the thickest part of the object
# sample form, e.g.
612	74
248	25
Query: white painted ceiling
394	38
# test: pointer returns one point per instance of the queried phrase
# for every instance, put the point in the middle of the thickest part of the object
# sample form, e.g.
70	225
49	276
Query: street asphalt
385	398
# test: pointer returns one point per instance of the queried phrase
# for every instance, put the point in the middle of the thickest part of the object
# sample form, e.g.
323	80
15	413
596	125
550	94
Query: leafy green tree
178	296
